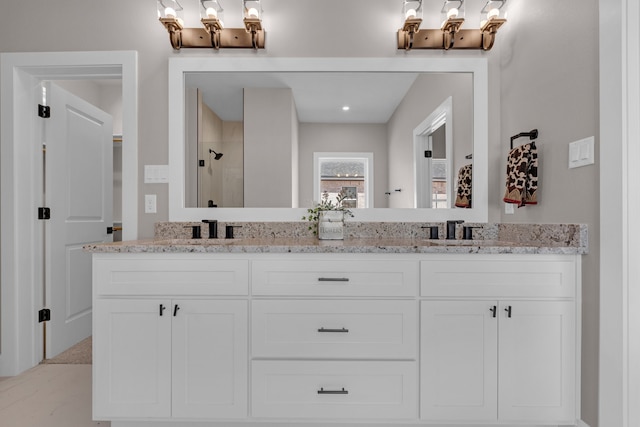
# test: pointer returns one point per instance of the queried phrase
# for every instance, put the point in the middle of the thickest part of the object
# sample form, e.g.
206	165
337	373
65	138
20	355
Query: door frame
21	266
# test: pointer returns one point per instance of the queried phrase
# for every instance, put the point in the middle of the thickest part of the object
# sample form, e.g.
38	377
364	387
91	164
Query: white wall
543	73
550	83
353	138
268	147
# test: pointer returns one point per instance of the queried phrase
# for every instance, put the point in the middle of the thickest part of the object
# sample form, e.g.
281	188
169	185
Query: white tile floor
48	396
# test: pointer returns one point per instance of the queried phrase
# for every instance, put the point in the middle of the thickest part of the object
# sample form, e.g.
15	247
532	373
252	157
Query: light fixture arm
174	28
410	28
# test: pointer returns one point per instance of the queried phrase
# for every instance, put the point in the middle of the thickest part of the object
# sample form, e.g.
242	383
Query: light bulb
345	108
411	14
493	13
452	13
170	12
252	13
211	13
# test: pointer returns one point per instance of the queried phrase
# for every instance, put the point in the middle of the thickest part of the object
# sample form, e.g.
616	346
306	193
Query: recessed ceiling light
345	108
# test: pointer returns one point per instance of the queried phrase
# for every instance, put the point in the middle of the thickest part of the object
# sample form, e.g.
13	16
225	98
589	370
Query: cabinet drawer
334	329
337	277
499	278
334	390
171	277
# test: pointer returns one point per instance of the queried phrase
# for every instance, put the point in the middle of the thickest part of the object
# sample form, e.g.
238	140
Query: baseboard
582	424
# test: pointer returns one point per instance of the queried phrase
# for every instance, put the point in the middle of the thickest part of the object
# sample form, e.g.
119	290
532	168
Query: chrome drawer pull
333	330
333	279
323	391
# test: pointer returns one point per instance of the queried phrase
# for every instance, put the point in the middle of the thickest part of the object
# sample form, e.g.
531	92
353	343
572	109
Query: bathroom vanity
300	332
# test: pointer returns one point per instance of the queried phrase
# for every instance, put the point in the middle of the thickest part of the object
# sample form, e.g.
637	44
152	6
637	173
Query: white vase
331	225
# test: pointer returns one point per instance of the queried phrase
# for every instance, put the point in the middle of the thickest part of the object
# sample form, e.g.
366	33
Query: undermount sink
198	242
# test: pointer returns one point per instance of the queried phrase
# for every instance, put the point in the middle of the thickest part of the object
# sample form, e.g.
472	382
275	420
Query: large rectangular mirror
245	133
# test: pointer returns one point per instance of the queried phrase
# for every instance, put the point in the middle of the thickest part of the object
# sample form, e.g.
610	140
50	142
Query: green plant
313	214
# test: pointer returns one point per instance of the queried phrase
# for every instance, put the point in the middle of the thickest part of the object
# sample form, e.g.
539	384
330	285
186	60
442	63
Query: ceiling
319	97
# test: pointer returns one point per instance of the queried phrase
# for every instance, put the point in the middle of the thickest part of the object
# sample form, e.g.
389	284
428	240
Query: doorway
21	341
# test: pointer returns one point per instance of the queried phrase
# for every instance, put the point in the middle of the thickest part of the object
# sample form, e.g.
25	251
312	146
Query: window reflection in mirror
349	174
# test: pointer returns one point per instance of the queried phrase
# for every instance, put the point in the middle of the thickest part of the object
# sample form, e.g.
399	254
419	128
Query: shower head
218	155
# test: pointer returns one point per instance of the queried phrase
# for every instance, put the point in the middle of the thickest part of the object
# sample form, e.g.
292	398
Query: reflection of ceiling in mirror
372	97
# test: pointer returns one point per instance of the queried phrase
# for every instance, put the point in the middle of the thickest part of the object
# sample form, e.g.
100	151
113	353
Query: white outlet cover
581	153
150	203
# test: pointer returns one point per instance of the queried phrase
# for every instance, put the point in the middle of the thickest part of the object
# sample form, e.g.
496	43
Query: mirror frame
178	67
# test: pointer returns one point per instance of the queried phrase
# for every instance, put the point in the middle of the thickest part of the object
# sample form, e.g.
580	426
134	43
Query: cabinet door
537	361
131	359
209	359
458	360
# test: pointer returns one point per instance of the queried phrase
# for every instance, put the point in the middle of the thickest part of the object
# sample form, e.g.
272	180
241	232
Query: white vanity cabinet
161	356
373	339
511	359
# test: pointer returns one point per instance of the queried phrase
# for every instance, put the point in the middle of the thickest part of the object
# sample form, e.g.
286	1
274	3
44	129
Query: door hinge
44	213
44	315
44	111
428	153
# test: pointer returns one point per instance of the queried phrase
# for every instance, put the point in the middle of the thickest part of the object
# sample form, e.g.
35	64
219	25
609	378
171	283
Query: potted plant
327	217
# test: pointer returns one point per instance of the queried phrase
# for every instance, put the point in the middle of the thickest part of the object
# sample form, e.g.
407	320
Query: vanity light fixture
213	34
450	35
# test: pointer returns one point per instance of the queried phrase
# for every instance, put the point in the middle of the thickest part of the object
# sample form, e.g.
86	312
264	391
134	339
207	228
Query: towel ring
532	135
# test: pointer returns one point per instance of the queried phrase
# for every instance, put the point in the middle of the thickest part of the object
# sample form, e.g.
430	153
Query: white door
537	361
209	359
79	192
459	345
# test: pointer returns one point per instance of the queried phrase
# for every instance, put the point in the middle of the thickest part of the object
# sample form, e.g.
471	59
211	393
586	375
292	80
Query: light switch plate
581	153
156	174
509	209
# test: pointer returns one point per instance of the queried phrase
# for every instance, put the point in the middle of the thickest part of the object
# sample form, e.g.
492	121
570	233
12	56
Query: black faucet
451	228
213	227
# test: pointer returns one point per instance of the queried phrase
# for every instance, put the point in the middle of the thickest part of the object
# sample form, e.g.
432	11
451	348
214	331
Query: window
347	173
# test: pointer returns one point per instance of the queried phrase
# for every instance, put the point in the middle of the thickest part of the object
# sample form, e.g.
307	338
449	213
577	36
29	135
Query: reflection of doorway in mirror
433	154
350	174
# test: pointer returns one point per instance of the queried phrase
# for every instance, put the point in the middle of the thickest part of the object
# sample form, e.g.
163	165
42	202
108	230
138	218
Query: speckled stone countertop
567	239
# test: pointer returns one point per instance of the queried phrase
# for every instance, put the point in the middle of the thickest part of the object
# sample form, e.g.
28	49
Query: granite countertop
349	245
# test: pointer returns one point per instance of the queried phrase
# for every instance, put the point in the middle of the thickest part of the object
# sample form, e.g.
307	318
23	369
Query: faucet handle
195	231
433	231
228	231
467	232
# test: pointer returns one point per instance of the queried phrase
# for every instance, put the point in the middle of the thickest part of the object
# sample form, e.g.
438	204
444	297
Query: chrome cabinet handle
333	330
333	279
323	391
